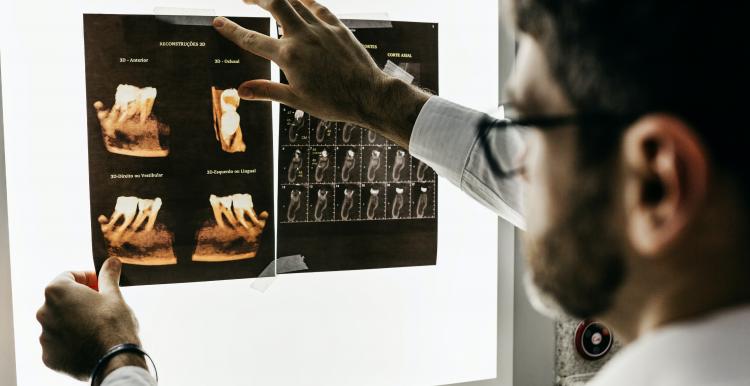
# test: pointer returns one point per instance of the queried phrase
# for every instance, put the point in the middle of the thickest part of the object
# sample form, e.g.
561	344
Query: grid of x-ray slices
334	171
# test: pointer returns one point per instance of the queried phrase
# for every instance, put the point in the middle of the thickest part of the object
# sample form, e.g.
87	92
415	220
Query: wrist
393	109
122	360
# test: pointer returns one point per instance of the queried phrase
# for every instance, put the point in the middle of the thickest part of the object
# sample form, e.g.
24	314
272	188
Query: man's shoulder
709	351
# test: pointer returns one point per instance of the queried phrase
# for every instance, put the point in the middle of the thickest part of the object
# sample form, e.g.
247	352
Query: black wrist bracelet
116	350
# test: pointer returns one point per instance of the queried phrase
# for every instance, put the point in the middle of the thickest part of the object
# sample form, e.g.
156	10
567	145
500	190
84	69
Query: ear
666	181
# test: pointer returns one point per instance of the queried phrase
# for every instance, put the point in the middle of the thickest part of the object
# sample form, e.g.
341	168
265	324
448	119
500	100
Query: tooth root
127	206
155	207
216	206
226	209
147	99
144	207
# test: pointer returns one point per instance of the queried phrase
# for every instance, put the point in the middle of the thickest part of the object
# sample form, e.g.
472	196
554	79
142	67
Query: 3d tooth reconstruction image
133	235
234	231
227	120
129	127
186	162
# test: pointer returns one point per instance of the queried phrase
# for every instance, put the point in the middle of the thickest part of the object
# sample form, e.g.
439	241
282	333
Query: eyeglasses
504	141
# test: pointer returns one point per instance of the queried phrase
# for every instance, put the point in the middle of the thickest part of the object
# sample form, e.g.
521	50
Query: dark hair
686	58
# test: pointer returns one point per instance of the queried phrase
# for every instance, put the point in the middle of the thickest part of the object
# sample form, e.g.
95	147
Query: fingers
109	276
86	278
322	12
304	12
266	90
252	41
283	12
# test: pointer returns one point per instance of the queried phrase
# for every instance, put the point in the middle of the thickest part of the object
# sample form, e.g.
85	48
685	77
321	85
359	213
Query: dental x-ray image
129	127
349	198
181	171
227	120
233	233
132	234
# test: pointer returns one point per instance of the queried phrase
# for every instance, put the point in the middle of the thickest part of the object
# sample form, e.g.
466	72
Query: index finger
283	12
252	41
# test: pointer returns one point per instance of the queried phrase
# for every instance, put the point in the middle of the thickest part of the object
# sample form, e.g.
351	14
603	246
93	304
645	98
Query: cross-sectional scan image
399	165
227	120
129	127
296	128
424	205
293	202
399	197
348	160
421	172
349	134
323	132
234	231
348	202
181	171
322	164
321	204
348	197
133	235
373	163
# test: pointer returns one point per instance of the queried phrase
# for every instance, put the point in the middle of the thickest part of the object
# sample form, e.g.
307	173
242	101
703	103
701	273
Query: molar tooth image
374	165
139	239
347	204
398	203
321	204
294	165
422	203
346	132
398	165
421	170
372	205
346	168
296	126
323	163
234	232
294	205
129	127
226	120
321	130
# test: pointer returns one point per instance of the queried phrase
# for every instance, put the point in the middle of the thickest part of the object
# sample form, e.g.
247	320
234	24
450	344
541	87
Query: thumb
109	276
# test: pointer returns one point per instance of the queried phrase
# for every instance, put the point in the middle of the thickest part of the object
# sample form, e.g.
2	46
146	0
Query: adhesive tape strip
185	16
373	21
397	72
286	264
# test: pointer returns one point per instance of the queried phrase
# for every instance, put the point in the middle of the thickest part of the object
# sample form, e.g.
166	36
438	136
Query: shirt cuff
129	376
443	137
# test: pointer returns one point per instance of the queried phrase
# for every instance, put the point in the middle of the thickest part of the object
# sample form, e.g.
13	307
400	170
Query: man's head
632	211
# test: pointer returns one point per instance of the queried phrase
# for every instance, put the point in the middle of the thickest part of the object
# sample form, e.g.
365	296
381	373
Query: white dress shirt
711	351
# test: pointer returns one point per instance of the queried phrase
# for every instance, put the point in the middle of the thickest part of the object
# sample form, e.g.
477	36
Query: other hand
82	317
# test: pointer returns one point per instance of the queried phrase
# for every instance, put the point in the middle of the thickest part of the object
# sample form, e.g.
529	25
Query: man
633	175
